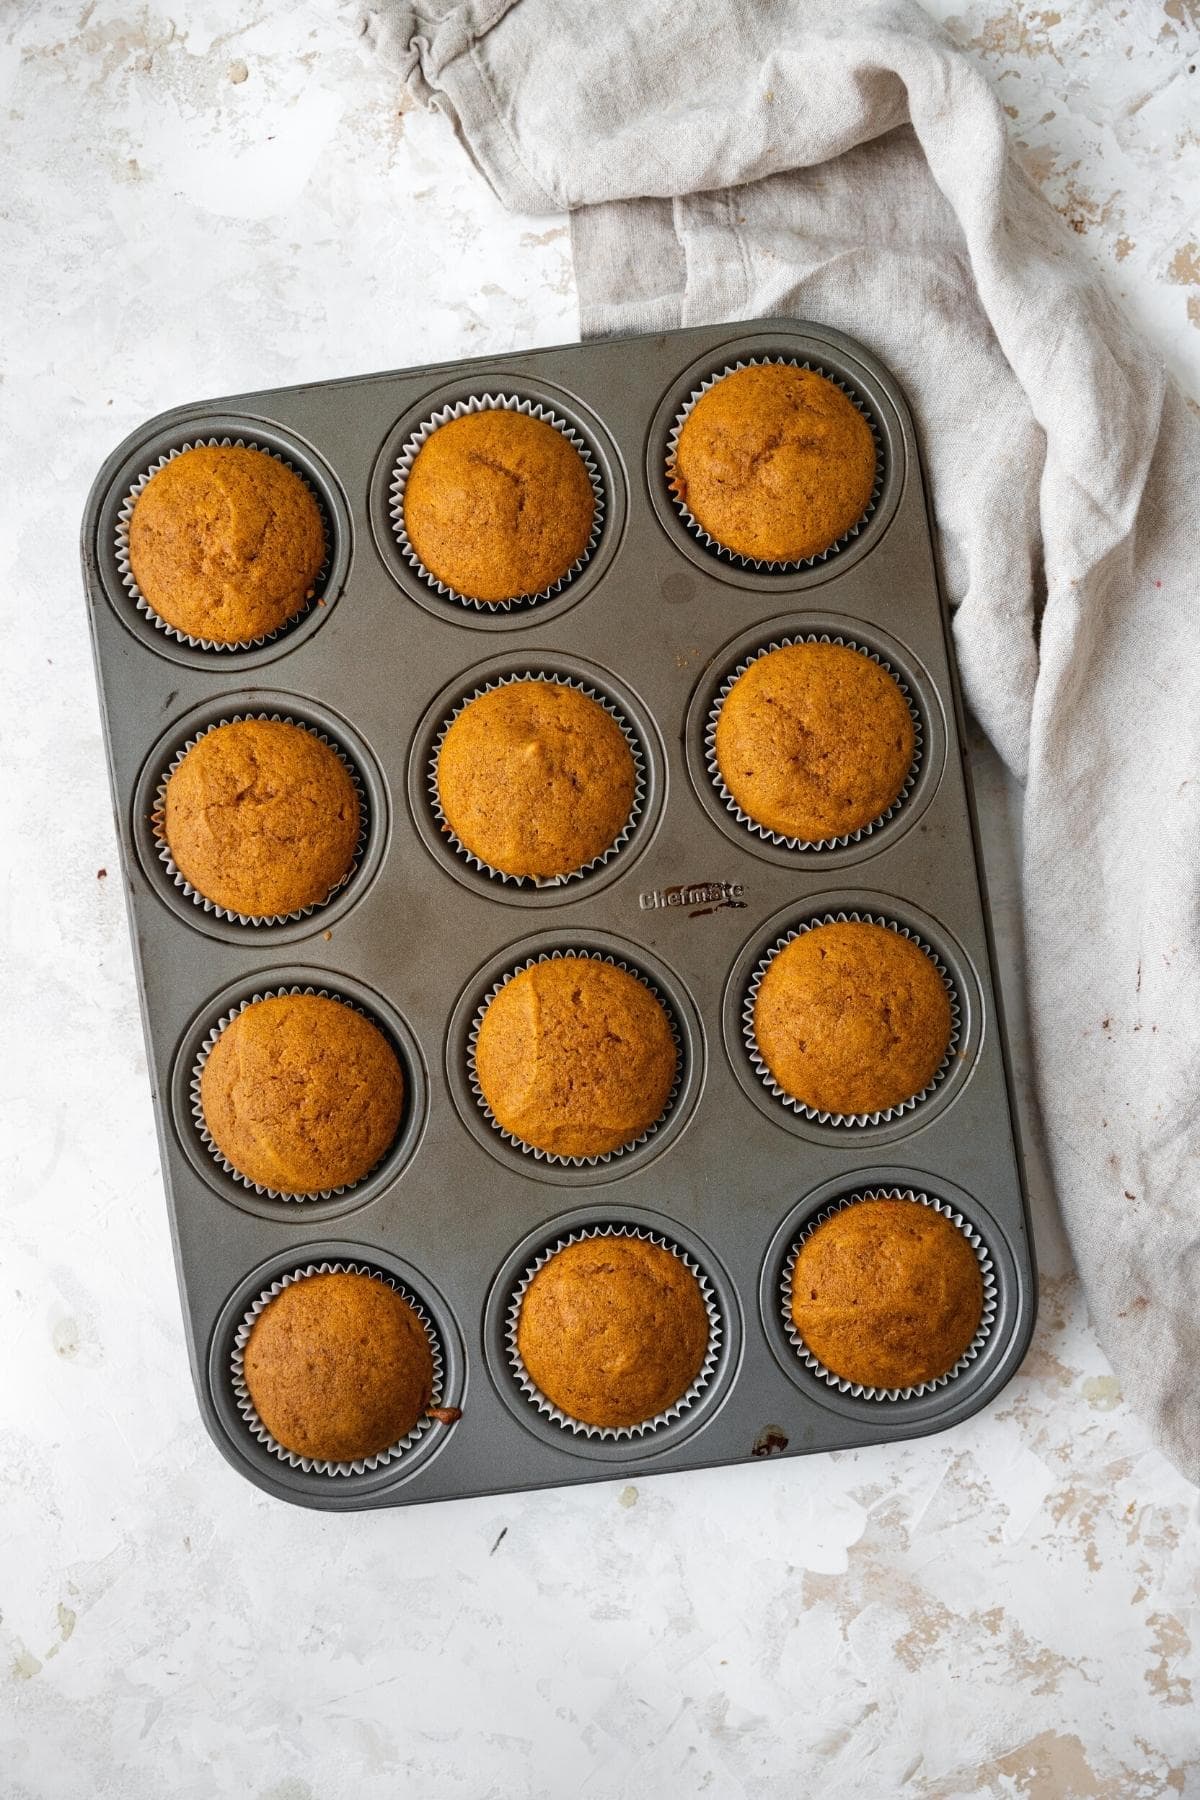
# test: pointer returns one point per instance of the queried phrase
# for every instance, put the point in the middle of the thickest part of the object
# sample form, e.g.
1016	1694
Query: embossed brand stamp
696	897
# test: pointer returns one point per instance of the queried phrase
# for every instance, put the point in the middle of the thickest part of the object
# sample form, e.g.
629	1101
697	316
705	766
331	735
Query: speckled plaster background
191	204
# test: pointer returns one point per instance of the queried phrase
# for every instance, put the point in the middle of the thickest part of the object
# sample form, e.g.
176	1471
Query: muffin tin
655	622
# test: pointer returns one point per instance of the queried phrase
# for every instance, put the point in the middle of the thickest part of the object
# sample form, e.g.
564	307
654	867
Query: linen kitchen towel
838	160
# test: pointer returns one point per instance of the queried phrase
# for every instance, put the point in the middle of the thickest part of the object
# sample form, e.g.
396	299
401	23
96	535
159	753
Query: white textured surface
1009	1609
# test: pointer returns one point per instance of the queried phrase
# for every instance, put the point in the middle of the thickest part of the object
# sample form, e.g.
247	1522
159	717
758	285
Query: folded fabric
839	161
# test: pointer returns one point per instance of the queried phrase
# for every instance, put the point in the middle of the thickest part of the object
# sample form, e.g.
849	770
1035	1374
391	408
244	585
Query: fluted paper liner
763	563
125	570
987	1318
615	1433
310	1465
206	1049
764	831
849	1120
158	821
548	1156
457	410
639	788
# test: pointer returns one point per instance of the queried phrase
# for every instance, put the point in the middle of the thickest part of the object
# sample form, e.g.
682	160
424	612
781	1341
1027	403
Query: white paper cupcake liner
536	881
848	1120
158	823
457	410
125	570
855	1388
762	563
614	1433
310	1465
764	831
548	1156
206	1049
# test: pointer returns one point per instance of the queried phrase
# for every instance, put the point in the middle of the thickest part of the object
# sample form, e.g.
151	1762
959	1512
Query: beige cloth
838	160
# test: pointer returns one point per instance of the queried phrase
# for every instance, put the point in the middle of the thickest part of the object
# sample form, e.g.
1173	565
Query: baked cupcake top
498	505
852	1018
301	1093
338	1367
613	1330
535	778
776	463
814	741
575	1057
226	543
262	818
887	1293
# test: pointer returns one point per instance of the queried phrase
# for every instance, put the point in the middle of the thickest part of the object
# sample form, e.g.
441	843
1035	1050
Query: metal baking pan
656	621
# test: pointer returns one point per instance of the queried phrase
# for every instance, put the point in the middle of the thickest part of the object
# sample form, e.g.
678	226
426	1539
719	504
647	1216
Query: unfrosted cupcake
576	1057
498	505
338	1366
852	1018
536	779
302	1094
262	818
776	463
814	741
887	1292
226	543
613	1330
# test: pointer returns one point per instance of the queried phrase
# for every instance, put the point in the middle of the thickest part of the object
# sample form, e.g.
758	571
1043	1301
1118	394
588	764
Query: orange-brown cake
226	543
887	1293
262	818
613	1330
852	1018
575	1057
775	463
814	741
338	1366
535	778
498	505
302	1093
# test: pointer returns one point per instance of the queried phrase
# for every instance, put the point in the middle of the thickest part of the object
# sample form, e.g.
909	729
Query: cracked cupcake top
775	462
226	543
262	818
498	505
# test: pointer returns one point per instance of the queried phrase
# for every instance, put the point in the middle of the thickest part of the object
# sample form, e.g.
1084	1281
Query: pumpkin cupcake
613	1330
226	543
852	1018
575	1057
814	741
887	1292
338	1366
498	505
775	463
536	779
301	1094
262	818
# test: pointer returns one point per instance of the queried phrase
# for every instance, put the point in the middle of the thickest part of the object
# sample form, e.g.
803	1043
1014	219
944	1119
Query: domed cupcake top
338	1366
301	1094
535	778
887	1293
575	1057
852	1017
814	741
775	463
498	505
262	818
613	1330
226	543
